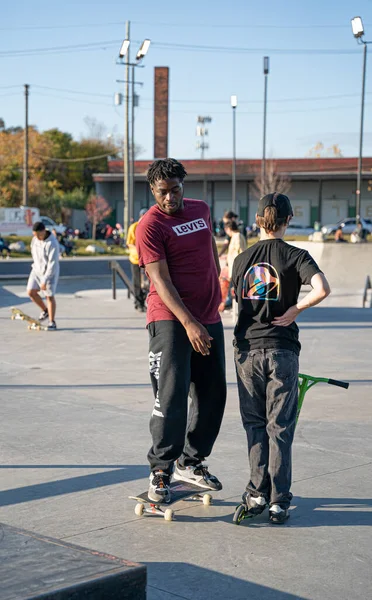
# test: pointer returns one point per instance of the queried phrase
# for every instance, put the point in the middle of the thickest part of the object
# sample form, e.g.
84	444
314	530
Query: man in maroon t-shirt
175	244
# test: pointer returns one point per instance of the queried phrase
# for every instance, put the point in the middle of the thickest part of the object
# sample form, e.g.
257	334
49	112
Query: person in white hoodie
45	272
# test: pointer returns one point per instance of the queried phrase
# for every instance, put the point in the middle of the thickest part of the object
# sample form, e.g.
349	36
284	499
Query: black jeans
139	296
268	394
177	371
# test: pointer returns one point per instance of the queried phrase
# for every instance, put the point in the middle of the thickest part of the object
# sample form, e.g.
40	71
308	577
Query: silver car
347	226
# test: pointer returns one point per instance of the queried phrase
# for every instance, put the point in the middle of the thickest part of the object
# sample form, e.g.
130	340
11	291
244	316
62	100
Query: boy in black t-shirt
267	279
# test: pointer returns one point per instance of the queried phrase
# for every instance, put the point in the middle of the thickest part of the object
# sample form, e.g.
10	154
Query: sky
67	52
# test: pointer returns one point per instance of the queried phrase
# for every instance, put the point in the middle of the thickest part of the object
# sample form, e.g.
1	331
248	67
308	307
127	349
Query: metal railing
367	294
117	270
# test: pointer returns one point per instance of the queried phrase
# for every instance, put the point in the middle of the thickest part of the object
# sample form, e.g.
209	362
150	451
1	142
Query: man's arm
216	256
320	291
53	256
197	334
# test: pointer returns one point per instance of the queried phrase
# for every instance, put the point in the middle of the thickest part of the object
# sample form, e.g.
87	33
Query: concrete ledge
34	567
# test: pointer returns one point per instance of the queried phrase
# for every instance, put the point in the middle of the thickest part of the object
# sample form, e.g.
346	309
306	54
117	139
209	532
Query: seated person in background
4	247
359	234
339	236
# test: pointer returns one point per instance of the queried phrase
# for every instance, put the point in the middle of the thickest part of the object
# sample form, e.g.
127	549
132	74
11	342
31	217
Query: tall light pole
124	52
25	158
139	57
202	132
234	104
358	32
263	167
129	145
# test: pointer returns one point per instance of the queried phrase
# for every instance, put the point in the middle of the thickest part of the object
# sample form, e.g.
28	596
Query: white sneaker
197	475
159	487
277	514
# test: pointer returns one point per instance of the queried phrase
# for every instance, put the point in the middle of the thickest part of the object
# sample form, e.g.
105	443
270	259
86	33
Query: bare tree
97	209
273	181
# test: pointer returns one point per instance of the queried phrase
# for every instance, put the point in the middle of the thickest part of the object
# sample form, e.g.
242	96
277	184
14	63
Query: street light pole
131	193
128	157
360	158
358	32
25	159
263	167
234	104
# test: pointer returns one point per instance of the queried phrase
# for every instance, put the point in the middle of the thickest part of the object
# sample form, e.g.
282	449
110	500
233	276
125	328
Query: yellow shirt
131	239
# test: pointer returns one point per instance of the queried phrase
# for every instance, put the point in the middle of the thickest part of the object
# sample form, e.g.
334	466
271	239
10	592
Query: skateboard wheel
207	499
12	317
139	508
168	514
29	327
239	514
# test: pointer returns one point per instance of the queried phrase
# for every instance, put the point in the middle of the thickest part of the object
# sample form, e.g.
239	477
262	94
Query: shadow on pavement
305	513
189	582
9	299
72	485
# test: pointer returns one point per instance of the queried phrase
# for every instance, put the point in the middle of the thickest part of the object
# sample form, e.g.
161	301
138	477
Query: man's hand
43	286
199	337
289	316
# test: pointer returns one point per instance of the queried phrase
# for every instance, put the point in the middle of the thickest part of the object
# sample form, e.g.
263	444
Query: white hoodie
45	254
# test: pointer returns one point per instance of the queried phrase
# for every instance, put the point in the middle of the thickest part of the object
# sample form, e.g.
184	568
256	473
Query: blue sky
312	96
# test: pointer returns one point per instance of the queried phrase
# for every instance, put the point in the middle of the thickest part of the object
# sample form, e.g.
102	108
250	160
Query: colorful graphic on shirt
261	282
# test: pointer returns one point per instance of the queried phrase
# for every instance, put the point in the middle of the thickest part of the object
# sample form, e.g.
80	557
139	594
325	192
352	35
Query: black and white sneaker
198	475
52	326
278	515
255	504
44	315
159	487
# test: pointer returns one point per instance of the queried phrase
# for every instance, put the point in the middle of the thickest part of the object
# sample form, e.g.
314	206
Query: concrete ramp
346	267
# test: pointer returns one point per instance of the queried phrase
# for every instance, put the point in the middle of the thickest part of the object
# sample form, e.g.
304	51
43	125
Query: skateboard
179	491
305	382
32	323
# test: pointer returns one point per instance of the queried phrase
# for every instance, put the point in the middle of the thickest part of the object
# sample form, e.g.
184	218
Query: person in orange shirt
139	294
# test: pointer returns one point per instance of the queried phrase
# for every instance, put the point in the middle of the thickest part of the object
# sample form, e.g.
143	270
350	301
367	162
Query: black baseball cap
281	203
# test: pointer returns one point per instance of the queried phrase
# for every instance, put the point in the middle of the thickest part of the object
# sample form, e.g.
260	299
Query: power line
81	100
181	47
72	160
85	93
69	48
177	24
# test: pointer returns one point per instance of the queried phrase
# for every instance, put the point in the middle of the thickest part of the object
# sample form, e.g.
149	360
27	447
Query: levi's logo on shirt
190	227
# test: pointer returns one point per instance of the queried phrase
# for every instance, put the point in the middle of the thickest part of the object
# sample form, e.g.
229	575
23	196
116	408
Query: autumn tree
320	151
97	210
272	182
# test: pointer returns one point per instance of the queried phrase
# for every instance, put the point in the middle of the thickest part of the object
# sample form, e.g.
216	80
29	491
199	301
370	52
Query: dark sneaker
44	315
278	515
255	504
159	487
52	325
198	475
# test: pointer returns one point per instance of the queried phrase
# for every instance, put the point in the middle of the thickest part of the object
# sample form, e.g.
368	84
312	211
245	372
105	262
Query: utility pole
25	159
360	158
263	175
131	193
234	104
126	135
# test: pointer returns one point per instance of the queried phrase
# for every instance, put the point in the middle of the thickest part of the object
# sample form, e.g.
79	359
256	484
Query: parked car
297	229
50	224
347	225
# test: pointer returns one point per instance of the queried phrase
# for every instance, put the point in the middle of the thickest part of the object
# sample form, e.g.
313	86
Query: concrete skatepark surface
74	437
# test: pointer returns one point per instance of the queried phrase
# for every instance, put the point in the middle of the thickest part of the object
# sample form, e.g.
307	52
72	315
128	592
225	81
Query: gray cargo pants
268	394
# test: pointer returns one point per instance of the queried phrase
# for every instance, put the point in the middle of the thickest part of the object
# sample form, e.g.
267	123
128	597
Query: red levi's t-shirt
184	240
